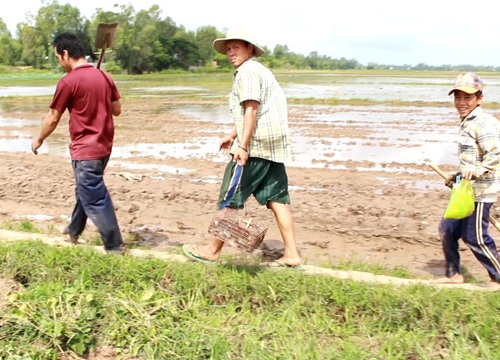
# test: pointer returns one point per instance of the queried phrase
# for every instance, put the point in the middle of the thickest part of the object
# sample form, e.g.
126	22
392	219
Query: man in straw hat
479	156
259	143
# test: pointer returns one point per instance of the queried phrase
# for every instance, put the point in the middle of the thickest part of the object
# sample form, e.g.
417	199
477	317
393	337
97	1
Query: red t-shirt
87	93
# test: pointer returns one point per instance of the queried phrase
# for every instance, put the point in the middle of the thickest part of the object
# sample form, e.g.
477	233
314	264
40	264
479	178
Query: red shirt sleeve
62	97
115	94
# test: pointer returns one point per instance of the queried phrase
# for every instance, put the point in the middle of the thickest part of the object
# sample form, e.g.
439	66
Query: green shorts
264	179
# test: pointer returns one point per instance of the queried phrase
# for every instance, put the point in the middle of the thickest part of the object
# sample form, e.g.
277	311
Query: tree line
145	43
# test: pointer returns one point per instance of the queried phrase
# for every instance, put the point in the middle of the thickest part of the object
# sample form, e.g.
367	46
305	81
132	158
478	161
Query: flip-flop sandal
281	264
194	255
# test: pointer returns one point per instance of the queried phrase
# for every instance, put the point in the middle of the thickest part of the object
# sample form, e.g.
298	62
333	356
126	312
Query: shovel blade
105	35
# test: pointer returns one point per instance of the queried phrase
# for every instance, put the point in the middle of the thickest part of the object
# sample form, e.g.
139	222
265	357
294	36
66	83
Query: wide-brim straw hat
220	44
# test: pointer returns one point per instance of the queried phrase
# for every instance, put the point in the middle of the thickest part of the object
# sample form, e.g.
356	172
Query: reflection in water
15	145
14	122
207	112
27	90
23	144
174	89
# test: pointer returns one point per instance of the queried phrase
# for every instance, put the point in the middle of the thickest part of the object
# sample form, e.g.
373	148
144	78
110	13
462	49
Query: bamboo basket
229	226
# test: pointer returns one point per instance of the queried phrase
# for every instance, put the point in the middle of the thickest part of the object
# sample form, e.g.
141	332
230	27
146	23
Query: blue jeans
93	201
474	232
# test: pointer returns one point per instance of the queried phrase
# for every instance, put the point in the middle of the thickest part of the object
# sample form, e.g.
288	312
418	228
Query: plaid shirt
479	150
270	139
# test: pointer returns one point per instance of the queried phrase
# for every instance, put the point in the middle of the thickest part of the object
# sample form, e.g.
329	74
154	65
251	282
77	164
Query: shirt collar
253	58
473	114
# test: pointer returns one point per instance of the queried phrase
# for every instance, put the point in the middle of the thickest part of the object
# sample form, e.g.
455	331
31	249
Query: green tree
53	19
146	25
280	51
33	50
204	39
10	49
186	53
141	44
164	57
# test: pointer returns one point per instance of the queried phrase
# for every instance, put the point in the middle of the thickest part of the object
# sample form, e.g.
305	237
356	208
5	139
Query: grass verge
74	302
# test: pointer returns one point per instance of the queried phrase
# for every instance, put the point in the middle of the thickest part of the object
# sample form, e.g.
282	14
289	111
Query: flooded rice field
370	135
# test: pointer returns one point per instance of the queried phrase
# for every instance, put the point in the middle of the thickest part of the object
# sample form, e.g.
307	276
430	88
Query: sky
390	32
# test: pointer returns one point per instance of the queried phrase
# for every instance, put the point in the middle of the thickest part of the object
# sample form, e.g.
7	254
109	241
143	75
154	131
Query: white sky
398	32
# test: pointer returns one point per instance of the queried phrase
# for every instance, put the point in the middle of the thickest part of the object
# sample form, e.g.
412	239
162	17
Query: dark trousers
474	232
94	202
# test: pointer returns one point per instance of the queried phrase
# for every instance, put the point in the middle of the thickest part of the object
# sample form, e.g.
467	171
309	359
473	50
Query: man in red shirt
92	99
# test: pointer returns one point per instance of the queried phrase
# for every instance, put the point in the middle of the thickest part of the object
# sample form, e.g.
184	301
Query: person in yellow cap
479	158
259	145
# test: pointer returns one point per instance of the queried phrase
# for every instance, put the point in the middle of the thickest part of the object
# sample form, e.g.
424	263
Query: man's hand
49	124
450	180
35	145
225	144
469	174
240	156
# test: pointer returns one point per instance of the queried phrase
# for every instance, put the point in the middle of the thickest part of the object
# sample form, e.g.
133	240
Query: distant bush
112	67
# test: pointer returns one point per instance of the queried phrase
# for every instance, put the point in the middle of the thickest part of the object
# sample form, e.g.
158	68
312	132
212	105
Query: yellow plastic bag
461	203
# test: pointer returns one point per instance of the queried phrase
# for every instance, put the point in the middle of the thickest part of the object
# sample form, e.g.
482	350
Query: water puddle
206	112
16	122
26	90
373	87
175	89
197	147
399	136
19	144
323	86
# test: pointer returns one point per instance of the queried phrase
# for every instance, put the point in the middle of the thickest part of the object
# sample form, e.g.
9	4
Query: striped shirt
270	138
479	150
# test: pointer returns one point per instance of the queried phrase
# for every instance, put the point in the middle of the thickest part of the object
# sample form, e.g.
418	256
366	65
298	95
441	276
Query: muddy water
398	87
377	134
26	90
403	135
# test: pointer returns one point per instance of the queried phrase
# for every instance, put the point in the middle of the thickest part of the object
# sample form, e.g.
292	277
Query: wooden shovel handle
494	222
436	168
439	171
101	56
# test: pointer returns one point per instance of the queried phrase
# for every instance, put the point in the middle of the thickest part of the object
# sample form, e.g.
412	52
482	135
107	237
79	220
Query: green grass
21	225
74	300
374	269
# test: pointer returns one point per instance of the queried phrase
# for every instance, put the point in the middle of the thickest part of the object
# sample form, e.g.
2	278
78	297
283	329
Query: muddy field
165	173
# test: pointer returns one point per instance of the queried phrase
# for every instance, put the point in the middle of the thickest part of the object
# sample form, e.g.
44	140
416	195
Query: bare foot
493	286
455	279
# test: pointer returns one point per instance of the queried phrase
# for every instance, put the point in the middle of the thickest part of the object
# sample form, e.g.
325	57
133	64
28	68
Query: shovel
104	39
